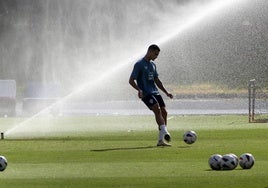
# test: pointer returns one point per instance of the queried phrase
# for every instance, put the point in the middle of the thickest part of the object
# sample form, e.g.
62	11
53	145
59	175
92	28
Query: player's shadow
132	148
129	148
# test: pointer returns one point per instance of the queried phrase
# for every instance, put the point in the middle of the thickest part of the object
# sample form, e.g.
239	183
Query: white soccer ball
3	163
189	137
215	162
246	160
228	162
236	158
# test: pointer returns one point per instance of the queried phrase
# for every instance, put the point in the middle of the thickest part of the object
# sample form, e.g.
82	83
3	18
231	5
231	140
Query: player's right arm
133	83
133	79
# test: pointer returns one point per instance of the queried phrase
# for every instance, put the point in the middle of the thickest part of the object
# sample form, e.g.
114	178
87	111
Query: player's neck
148	59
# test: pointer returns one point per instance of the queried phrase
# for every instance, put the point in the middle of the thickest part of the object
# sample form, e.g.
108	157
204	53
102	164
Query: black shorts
150	100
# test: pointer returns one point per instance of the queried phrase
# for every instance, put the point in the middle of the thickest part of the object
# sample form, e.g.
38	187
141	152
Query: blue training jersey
145	72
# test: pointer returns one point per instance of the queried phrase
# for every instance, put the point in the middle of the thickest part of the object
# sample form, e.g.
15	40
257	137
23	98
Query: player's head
153	52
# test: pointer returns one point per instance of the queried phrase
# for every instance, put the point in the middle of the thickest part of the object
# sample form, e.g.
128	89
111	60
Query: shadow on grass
220	170
132	148
129	148
184	147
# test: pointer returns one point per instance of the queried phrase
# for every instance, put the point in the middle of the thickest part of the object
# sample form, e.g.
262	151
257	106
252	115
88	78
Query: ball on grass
228	162
189	137
246	161
214	162
3	163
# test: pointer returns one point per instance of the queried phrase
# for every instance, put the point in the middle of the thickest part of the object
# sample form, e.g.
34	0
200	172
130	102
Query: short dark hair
153	47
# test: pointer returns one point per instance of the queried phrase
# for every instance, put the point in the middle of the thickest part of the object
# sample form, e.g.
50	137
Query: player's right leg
152	103
162	127
163	133
158	114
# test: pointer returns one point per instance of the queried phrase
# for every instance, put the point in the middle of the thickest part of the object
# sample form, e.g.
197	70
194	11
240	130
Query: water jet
172	29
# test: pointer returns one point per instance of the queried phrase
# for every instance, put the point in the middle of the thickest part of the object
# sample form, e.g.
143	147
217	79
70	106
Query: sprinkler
2	136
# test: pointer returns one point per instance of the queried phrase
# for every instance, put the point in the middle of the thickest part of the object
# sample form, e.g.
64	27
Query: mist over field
230	48
75	42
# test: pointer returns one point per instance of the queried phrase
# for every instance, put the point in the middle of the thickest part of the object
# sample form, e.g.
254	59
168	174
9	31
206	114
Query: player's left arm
161	86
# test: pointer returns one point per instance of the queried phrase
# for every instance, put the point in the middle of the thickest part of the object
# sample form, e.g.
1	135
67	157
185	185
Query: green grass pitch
120	151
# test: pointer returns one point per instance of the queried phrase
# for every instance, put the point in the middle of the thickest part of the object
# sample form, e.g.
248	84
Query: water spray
174	31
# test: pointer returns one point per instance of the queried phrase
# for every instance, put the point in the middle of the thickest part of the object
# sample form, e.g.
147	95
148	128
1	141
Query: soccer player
144	78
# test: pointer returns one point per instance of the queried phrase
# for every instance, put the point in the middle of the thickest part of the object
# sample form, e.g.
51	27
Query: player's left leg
164	115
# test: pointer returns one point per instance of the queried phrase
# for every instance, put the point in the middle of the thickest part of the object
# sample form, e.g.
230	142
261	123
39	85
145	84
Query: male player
144	78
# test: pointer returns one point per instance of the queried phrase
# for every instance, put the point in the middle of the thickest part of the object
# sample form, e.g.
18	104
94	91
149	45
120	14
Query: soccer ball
246	160
3	163
189	137
228	162
236	158
215	162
